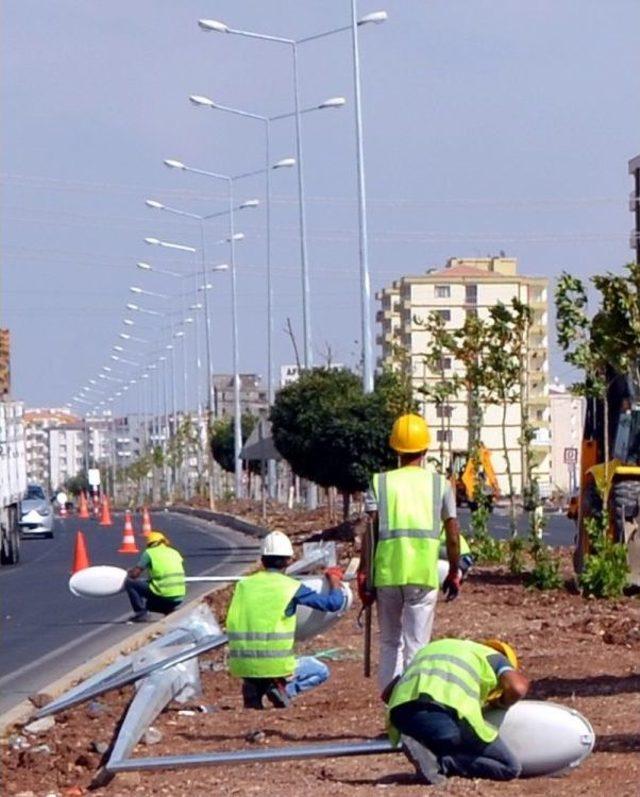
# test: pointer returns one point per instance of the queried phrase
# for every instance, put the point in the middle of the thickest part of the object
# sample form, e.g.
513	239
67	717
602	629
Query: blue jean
308	674
459	749
143	599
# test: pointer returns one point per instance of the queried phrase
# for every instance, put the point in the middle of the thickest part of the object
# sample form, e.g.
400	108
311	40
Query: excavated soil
582	653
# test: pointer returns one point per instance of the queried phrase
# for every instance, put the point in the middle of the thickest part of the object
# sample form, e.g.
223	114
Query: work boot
139	617
425	762
252	694
277	693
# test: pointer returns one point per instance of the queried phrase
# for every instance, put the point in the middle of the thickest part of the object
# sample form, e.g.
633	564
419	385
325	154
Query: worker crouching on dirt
261	625
436	705
165	589
399	562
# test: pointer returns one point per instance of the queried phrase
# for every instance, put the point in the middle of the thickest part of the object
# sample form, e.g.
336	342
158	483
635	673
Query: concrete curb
21	713
222	519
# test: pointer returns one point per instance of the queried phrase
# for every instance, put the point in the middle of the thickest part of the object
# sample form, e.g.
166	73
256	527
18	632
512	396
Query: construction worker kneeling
165	589
261	626
436	706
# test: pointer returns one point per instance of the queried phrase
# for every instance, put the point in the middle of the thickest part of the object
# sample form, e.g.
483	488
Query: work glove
367	596
451	585
334	576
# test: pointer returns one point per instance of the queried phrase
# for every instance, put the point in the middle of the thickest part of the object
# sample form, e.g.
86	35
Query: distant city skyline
489	125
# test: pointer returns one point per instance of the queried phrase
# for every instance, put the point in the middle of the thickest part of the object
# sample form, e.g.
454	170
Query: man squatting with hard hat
437	703
165	589
261	626
399	566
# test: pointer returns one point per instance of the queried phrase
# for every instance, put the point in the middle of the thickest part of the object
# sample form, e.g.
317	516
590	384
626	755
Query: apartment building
37	424
634	205
66	453
253	395
470	286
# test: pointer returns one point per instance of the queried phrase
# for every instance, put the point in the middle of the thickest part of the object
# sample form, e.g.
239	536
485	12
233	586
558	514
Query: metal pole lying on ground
372	747
128	678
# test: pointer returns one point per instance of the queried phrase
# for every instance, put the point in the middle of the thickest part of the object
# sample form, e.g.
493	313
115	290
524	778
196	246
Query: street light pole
365	282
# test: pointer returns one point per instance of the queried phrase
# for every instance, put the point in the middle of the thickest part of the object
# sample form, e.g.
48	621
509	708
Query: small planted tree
221	439
505	366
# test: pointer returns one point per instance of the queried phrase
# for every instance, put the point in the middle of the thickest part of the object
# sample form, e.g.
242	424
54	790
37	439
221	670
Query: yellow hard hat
410	434
156	537
504	648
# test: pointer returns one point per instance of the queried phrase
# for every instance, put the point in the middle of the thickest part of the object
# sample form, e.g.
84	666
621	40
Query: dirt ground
582	653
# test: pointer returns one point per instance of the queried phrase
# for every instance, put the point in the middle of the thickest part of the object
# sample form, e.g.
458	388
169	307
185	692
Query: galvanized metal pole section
306	314
207	332
365	284
271	393
237	419
370	747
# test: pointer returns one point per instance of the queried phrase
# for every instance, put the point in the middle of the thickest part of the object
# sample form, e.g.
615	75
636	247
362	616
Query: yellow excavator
467	479
612	486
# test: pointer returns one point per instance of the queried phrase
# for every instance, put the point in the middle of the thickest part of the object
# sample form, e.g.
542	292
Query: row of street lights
200	101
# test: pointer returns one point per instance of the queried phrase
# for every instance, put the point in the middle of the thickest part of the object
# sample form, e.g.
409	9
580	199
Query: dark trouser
144	600
459	749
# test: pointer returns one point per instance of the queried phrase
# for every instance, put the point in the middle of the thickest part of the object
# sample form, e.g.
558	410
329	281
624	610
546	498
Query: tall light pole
376	17
232	238
332	102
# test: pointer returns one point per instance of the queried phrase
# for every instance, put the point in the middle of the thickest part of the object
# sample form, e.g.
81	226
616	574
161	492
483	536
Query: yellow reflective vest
409	501
455	673
166	572
261	636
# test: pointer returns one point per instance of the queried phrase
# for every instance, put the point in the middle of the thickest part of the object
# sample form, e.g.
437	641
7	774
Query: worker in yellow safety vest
165	589
436	705
261	625
399	562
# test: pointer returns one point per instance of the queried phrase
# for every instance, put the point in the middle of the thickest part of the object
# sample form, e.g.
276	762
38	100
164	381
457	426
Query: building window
444	410
443	435
443	291
445	315
471	294
444	364
471	313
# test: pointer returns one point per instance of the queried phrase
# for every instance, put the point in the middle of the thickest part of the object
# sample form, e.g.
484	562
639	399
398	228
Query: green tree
77	484
221	439
334	434
505	371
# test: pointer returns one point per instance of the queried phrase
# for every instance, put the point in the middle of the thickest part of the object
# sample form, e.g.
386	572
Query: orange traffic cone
105	519
83	510
146	521
80	556
128	540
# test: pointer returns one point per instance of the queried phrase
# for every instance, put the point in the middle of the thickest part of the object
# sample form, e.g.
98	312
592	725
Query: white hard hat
276	544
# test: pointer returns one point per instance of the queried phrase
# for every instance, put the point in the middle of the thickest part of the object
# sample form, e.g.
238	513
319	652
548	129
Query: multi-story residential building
470	286
253	396
5	363
634	205
567	419
66	453
37	423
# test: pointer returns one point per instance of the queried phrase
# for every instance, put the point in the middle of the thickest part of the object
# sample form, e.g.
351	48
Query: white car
36	513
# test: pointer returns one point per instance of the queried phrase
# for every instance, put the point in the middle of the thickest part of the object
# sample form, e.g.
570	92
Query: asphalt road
559	530
46	631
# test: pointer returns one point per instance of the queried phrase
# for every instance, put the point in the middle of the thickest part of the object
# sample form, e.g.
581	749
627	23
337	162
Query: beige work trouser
405	619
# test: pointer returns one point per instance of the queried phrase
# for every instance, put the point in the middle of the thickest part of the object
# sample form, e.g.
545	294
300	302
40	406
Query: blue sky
489	125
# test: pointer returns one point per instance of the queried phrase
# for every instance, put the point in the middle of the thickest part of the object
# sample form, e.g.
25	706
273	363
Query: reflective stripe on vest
454	673
166	572
261	636
409	507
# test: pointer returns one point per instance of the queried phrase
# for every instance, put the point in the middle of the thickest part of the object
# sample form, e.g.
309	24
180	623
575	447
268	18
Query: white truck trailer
13	479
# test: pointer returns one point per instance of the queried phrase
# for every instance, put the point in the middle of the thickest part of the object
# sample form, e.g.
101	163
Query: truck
13	479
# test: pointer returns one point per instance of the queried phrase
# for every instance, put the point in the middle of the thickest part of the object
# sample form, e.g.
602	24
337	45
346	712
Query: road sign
570	456
93	475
